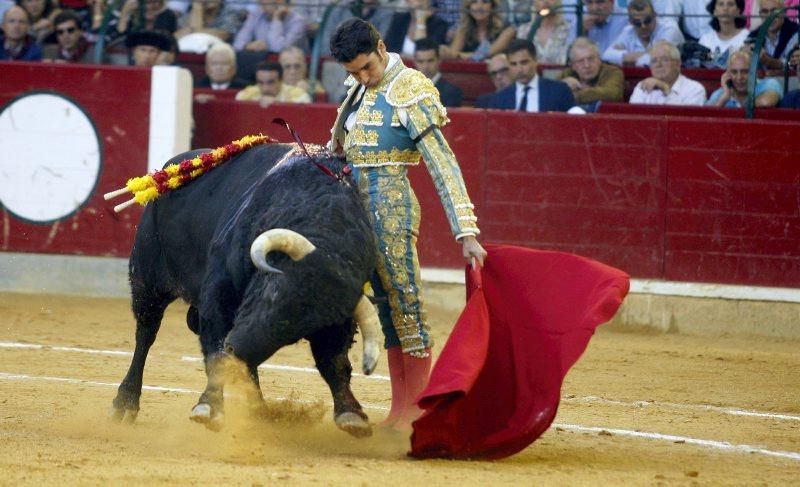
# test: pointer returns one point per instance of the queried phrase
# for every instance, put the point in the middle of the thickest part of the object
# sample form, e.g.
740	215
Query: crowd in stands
262	47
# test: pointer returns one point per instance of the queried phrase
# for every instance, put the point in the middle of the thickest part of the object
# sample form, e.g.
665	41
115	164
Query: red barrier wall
117	101
670	197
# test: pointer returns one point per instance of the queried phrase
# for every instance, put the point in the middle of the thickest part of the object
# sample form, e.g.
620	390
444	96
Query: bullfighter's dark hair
517	45
270	66
353	37
739	21
427	44
66	16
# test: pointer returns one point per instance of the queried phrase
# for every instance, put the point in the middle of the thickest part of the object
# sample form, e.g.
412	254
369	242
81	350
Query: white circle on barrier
51	157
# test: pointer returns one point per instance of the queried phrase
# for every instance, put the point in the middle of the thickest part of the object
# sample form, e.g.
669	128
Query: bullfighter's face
368	69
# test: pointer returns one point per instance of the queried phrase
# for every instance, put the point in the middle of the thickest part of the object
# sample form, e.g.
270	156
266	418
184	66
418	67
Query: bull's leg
218	303
329	346
209	408
148	313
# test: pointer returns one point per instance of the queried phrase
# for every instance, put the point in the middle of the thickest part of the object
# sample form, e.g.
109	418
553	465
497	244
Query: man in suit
530	92
426	57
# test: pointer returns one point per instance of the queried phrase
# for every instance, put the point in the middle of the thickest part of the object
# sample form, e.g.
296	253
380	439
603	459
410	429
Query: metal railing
752	77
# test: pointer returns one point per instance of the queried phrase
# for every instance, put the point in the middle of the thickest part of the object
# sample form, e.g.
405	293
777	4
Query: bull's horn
367	320
290	243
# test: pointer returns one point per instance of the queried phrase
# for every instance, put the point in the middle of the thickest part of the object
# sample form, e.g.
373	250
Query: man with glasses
781	37
603	22
498	70
630	48
295	70
72	46
590	79
270	88
666	85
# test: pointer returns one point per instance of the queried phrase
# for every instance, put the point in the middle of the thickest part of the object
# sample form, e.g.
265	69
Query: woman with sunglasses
729	32
482	32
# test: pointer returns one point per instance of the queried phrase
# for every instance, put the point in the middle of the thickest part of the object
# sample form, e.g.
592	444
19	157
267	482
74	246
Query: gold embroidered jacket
391	116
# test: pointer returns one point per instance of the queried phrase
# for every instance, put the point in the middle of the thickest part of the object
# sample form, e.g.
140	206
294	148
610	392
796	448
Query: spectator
530	92
145	46
602	22
666	85
369	10
668	9
733	90
42	13
792	99
156	17
418	22
482	32
72	46
168	57
695	18
275	26
270	88
426	57
630	48
590	79
221	69
212	17
450	11
295	70
548	31
498	70
728	33
751	8
781	36
16	44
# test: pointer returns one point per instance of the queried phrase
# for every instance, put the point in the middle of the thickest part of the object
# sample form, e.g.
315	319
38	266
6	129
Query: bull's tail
367	320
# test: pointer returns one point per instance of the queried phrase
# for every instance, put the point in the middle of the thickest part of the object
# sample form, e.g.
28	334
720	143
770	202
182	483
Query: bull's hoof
204	414
354	424
123	415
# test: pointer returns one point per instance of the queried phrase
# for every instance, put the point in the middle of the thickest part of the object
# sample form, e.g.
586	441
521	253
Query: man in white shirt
602	22
630	48
666	85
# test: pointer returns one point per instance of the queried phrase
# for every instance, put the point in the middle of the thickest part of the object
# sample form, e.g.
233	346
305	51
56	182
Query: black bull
197	243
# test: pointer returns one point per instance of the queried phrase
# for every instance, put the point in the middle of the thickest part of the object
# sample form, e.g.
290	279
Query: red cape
497	383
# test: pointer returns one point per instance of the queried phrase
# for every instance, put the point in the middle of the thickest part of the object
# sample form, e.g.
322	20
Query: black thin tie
523	104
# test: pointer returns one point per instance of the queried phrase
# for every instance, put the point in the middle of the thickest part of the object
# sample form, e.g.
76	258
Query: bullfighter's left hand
473	251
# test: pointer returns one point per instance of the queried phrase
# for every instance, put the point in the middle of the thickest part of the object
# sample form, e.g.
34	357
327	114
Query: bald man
16	44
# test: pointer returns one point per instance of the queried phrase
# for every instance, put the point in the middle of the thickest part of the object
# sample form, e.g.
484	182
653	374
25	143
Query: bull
267	249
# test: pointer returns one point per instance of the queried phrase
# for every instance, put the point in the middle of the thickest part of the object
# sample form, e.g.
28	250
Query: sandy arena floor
637	409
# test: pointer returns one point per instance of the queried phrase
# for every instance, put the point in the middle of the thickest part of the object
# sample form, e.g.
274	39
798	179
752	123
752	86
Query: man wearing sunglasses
630	48
72	46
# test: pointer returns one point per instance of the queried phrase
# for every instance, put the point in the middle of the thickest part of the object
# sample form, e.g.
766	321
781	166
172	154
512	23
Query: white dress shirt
684	92
628	41
533	95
